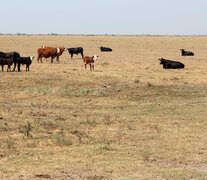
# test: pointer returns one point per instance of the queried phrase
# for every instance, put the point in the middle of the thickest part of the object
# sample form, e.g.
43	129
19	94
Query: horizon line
91	34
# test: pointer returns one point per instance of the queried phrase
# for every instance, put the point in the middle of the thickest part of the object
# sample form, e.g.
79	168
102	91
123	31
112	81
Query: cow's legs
14	66
19	67
2	67
27	67
85	65
39	58
58	59
9	68
82	54
71	55
51	59
90	67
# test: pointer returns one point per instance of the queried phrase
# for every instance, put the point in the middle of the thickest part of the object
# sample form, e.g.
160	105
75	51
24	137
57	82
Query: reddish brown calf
90	60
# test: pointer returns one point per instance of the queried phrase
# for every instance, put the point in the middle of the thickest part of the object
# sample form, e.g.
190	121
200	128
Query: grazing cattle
52	52
6	61
42	54
168	64
76	50
90	60
13	55
186	53
105	49
26	60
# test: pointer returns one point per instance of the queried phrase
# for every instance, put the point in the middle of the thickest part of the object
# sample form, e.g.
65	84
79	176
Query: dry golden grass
130	119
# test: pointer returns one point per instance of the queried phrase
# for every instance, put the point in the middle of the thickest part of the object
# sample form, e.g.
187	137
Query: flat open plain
129	119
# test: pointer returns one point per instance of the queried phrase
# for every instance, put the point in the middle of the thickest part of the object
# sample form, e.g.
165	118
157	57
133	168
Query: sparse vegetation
28	129
129	120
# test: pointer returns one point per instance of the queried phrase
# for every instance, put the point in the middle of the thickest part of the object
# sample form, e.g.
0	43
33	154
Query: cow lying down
168	64
105	49
186	53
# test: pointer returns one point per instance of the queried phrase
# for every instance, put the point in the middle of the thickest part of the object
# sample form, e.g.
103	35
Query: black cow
6	61
25	60
186	53
105	49
14	56
168	64
76	50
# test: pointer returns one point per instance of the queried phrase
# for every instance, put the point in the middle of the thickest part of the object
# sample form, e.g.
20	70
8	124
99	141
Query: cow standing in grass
27	61
90	61
53	52
14	55
42	54
6	61
76	50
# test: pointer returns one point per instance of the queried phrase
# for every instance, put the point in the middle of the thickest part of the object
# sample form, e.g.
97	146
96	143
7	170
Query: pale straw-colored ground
130	119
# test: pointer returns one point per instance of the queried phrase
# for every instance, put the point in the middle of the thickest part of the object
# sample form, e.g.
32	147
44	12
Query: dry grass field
129	119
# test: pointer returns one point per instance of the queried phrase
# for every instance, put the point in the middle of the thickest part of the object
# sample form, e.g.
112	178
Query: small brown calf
90	60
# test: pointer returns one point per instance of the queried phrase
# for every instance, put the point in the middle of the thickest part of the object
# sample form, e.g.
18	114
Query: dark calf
6	61
168	64
186	53
25	60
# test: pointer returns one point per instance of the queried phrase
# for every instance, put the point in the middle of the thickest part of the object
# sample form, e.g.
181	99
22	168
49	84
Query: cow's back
88	59
13	55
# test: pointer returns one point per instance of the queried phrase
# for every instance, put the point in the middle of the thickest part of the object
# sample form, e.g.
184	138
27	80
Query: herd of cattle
55	52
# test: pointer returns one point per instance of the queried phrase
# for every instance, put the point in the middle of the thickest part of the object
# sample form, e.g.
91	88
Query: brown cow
40	54
52	52
90	60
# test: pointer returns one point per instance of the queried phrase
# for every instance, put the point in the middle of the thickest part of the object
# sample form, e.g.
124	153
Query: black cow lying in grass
186	53
76	50
13	55
105	49
25	60
6	61
168	64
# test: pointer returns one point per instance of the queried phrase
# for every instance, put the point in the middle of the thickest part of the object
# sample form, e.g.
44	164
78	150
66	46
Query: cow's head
182	49
161	60
32	57
95	57
62	49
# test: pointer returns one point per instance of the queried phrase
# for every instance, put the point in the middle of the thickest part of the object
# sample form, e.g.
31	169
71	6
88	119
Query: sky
121	17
